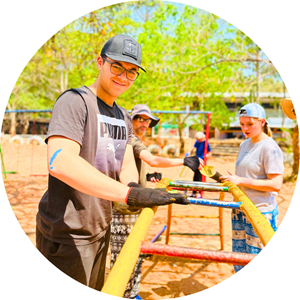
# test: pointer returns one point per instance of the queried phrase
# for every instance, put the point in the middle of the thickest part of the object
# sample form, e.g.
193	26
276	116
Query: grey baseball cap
143	109
123	48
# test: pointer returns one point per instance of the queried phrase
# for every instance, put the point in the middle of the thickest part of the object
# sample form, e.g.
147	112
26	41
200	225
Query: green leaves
190	56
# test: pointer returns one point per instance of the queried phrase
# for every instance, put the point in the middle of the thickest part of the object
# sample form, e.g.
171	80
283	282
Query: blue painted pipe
28	110
158	235
216	203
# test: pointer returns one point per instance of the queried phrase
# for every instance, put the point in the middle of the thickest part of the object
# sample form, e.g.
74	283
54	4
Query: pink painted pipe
191	253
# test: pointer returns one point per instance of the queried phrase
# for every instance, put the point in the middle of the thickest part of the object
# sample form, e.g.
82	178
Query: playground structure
178	238
119	275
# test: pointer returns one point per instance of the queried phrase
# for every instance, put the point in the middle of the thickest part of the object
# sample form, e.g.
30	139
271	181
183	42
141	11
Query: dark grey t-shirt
66	215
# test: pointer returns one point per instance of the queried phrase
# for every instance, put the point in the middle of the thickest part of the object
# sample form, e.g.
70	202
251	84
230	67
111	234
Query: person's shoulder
137	145
134	137
70	98
270	143
135	140
77	93
123	110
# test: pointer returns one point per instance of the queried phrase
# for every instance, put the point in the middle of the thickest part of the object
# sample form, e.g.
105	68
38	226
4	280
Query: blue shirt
200	148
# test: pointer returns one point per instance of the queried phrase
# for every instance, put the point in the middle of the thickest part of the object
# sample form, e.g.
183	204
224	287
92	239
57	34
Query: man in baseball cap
123	48
124	218
91	165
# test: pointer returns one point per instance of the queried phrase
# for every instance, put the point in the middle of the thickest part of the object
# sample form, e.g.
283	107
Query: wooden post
168	224
221	227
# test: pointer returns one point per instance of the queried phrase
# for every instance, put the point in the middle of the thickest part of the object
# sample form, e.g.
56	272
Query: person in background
124	217
259	174
199	148
91	164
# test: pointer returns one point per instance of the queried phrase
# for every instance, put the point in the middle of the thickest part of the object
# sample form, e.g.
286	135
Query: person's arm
194	149
129	171
65	164
163	162
209	154
157	161
272	184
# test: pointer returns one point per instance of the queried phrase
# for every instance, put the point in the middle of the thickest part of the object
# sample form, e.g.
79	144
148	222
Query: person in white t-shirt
259	174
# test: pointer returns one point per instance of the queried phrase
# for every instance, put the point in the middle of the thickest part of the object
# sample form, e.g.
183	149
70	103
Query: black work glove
192	162
124	208
146	197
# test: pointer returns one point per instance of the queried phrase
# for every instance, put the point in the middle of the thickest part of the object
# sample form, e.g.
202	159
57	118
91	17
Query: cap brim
154	120
124	59
287	107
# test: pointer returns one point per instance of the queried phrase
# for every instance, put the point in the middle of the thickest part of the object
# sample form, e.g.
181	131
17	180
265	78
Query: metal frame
120	274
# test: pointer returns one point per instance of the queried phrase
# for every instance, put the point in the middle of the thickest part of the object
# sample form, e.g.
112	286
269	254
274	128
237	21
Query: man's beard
140	130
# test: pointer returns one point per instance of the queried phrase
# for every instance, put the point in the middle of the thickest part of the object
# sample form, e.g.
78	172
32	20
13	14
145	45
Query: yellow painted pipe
120	274
261	226
123	267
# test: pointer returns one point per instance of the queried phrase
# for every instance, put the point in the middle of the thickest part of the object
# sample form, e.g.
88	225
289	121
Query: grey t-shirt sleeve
273	159
137	146
128	123
68	117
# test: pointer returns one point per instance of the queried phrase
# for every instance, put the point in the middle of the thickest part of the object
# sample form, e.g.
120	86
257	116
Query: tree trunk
25	126
217	133
181	139
257	76
12	106
63	81
295	137
13	124
202	116
181	143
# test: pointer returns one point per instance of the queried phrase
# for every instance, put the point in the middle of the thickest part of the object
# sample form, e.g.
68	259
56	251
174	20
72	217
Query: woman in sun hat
259	174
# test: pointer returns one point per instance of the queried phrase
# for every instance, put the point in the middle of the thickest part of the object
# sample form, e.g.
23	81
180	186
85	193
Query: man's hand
193	162
146	197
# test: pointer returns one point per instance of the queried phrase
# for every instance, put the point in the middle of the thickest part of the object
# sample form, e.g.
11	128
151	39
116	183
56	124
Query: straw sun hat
288	108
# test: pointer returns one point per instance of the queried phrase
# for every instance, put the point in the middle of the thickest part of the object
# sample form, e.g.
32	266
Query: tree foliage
192	58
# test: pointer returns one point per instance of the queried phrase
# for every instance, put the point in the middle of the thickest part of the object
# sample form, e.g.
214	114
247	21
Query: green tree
183	53
67	59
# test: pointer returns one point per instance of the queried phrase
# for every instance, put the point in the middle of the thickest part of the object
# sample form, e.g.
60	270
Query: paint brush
208	171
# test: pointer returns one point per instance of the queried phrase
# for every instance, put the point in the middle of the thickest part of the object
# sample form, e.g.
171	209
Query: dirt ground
161	278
